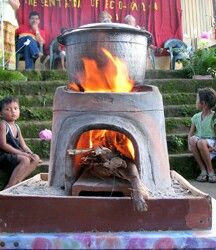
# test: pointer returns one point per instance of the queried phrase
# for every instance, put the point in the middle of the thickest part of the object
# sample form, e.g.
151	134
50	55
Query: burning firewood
79	151
103	162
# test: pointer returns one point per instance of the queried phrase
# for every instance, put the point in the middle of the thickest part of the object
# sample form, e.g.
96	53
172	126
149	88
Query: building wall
197	16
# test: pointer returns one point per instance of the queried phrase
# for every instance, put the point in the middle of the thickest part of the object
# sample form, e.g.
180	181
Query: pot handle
61	37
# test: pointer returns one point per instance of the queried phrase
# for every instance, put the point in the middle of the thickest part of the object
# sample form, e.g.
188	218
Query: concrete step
36	114
174	126
178	98
31	129
41	88
177	125
181	85
45	113
184	164
46	100
177	144
62	75
35	88
39	147
180	110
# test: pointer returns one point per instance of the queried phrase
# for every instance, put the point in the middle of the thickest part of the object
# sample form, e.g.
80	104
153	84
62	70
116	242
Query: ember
113	140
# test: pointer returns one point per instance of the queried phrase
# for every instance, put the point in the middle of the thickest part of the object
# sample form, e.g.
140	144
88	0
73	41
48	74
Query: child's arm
214	147
3	142
191	131
23	145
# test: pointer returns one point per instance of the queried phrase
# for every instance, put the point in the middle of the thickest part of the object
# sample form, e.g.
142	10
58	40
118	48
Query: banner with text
161	18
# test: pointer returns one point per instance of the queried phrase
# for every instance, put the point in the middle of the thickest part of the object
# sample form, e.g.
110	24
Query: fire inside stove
115	141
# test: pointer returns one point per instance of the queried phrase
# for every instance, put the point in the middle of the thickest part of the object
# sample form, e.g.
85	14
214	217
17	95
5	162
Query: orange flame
113	77
113	140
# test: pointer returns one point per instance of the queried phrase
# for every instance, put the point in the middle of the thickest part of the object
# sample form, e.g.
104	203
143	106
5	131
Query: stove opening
101	147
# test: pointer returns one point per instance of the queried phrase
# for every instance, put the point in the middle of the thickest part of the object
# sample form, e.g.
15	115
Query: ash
34	187
38	187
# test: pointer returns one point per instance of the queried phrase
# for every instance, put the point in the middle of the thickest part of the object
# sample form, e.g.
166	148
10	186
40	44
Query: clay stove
173	204
138	115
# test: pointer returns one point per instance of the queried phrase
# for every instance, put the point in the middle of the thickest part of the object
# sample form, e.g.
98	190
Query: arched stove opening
99	157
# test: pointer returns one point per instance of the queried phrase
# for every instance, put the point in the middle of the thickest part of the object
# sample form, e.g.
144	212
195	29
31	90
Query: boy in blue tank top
16	158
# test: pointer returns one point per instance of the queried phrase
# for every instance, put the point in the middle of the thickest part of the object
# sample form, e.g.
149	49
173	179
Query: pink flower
45	135
205	35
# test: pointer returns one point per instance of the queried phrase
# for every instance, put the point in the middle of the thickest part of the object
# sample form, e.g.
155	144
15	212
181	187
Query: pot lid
107	26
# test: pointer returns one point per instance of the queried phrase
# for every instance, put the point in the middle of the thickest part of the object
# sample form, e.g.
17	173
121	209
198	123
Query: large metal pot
122	40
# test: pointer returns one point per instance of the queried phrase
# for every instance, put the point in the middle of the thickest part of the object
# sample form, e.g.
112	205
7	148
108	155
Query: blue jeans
30	52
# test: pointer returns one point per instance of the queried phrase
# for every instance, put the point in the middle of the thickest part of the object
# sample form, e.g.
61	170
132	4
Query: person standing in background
10	24
130	20
104	17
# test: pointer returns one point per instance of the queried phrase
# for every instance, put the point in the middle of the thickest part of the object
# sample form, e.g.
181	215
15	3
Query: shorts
8	162
211	143
62	54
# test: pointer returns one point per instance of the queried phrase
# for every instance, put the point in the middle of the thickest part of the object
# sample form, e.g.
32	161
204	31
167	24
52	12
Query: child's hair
207	95
7	100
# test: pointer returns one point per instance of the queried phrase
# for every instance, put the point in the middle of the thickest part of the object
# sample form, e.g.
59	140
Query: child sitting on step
202	137
15	156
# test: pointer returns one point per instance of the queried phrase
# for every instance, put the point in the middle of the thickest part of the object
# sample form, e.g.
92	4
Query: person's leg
204	151
29	63
30	51
22	170
21	48
205	154
9	45
62	56
34	48
20	45
193	141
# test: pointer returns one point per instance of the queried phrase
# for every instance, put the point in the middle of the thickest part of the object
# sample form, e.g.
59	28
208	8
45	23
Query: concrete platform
195	239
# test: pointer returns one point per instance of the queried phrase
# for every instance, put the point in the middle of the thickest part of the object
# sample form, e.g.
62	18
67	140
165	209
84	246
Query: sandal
202	178
212	178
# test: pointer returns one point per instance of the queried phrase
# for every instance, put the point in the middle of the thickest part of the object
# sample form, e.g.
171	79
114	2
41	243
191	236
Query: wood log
96	151
139	191
79	151
102	162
